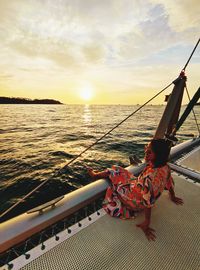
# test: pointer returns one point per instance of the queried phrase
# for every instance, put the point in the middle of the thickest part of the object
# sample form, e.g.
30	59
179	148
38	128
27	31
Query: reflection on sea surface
87	114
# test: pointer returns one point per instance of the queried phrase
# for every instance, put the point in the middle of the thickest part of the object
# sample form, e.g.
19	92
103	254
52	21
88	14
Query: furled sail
172	110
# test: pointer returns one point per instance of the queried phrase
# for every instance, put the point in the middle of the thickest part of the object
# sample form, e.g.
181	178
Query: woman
128	194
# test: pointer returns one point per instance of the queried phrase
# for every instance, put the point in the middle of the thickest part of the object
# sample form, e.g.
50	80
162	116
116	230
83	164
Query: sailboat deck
110	243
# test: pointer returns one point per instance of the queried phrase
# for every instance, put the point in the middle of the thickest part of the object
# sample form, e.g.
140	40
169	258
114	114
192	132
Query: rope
80	154
191	55
89	147
192	110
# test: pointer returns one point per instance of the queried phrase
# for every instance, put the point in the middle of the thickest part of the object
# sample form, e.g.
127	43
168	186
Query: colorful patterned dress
129	194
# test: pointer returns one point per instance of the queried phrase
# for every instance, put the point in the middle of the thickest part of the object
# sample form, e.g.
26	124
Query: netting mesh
192	162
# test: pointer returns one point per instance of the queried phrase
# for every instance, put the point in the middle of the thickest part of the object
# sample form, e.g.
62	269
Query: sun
86	92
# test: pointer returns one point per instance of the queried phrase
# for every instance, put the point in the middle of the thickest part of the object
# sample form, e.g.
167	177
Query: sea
37	141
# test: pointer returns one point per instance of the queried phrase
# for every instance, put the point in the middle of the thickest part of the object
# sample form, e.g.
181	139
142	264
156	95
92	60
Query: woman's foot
134	160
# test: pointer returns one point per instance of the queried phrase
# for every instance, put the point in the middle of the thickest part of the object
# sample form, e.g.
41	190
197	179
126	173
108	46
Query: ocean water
36	141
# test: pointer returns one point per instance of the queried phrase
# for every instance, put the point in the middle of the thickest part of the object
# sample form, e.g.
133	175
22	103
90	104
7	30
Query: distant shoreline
8	100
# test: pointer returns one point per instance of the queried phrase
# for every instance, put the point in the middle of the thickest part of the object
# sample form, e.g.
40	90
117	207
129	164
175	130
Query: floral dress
129	194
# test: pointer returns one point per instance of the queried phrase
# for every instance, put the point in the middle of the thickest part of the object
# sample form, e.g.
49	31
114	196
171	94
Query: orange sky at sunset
96	52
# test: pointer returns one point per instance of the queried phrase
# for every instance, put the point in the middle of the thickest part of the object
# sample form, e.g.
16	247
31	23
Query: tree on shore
8	100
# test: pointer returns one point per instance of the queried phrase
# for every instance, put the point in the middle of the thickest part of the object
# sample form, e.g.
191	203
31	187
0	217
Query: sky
97	51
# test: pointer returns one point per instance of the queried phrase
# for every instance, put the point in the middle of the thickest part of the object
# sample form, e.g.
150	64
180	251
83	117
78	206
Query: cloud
67	32
79	33
5	76
37	48
183	14
93	52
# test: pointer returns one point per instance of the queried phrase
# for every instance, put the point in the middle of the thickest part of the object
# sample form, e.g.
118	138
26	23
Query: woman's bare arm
98	175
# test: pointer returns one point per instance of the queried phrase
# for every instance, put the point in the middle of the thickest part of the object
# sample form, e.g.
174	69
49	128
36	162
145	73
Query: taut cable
191	54
195	118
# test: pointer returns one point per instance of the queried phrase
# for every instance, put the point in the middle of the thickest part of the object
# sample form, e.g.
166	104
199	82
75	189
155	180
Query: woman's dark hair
161	149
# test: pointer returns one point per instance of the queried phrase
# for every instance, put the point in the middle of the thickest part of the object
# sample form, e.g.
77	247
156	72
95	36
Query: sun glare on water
86	92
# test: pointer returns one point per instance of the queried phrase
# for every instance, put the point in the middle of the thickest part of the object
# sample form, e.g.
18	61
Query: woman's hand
149	232
97	175
176	200
91	173
173	198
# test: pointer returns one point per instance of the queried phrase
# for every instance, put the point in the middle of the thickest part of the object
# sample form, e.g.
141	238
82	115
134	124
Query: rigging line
191	55
86	149
192	110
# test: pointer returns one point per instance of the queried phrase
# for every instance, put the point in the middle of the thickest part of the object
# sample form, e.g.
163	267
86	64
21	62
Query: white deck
110	243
